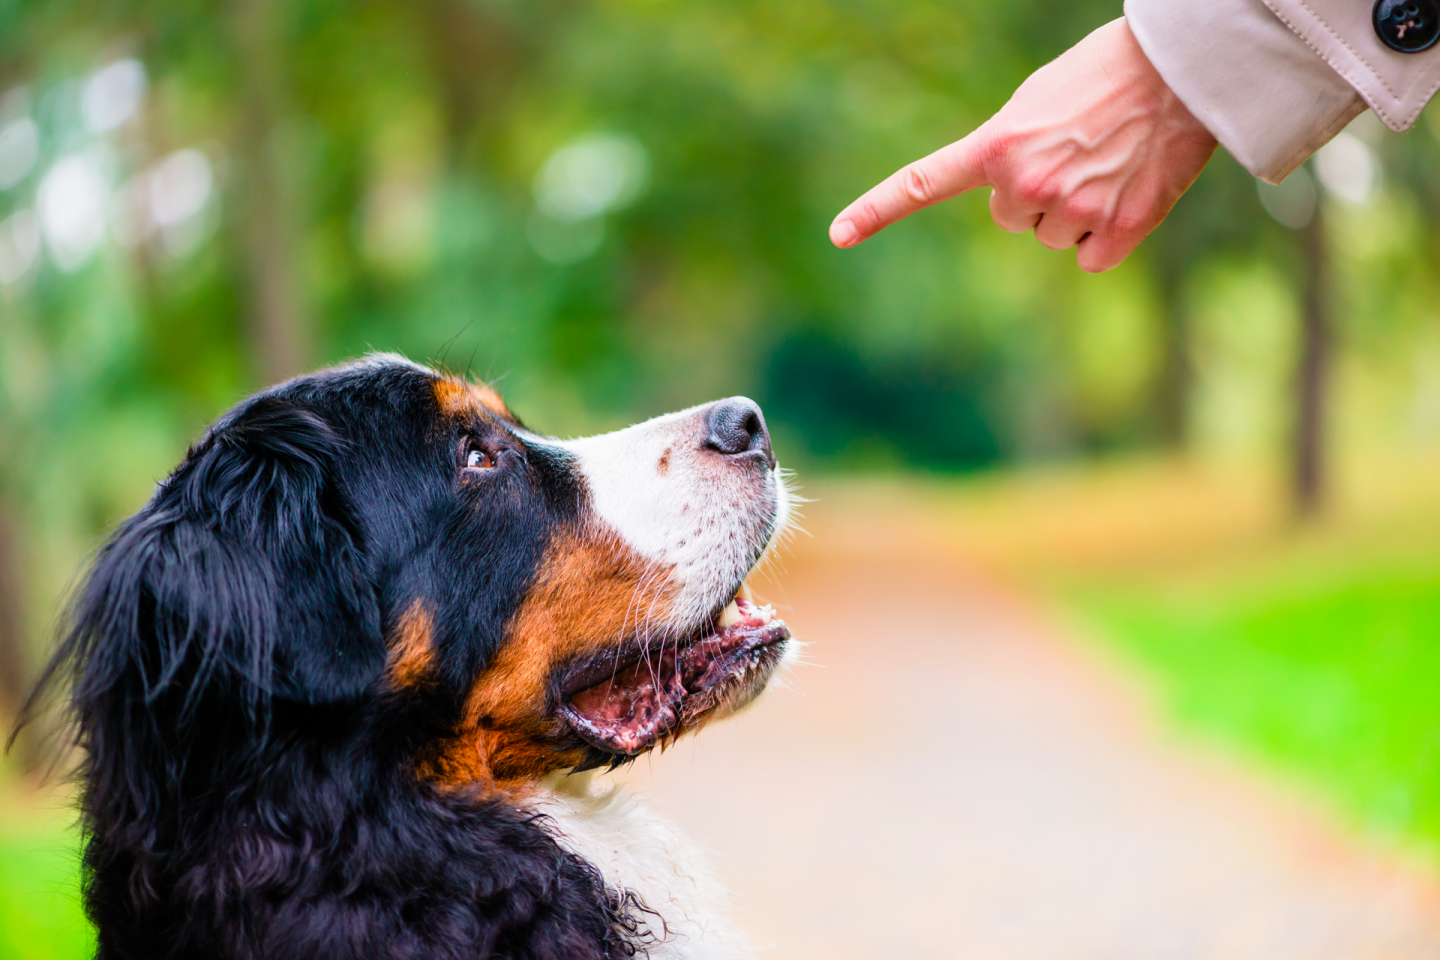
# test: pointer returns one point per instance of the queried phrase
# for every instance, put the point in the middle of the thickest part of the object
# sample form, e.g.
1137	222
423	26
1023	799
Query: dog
342	683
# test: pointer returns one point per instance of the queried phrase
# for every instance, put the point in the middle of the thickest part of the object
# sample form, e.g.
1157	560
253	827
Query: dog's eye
476	459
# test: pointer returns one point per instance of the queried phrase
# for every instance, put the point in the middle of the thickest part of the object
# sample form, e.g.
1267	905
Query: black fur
248	792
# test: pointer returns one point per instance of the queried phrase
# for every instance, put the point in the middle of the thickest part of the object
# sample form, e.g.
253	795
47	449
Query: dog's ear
245	576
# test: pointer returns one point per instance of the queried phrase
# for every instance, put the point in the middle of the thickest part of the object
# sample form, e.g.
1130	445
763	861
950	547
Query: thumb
948	172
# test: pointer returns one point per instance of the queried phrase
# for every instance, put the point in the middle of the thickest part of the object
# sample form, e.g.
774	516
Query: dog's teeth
742	609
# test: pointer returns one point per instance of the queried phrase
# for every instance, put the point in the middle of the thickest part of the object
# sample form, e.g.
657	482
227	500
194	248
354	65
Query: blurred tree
1220	217
277	321
1312	378
14	675
621	205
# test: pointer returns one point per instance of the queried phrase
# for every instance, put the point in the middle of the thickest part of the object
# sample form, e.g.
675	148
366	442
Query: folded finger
1058	233
946	173
1011	213
1098	253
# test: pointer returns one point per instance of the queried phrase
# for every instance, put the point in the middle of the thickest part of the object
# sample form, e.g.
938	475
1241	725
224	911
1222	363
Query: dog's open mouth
642	700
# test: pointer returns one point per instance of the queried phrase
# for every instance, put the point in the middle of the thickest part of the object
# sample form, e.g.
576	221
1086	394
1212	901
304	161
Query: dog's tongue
627	712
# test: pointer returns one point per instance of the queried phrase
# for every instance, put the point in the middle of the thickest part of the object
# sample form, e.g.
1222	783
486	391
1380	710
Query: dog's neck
636	851
568	783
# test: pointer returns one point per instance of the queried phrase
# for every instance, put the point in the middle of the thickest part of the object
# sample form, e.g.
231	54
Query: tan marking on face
593	593
457	398
412	652
663	467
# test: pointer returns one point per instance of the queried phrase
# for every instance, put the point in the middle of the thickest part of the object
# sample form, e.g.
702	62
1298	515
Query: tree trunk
14	669
1176	372
477	60
1312	376
459	58
277	324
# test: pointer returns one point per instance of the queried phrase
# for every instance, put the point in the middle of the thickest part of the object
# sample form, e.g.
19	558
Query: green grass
40	915
1331	675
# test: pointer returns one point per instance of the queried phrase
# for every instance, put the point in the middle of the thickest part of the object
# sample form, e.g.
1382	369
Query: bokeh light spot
112	95
19	246
72	201
1348	169
591	176
1292	201
19	149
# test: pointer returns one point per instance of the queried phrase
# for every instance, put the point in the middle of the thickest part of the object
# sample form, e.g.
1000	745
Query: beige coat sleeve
1273	80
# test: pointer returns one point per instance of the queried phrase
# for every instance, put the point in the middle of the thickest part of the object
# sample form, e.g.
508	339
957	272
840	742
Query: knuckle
1125	226
998	148
1036	190
917	184
1082	210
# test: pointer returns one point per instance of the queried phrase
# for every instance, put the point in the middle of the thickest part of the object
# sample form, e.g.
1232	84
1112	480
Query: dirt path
959	780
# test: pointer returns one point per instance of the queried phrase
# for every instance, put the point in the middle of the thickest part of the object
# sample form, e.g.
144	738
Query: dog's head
382	548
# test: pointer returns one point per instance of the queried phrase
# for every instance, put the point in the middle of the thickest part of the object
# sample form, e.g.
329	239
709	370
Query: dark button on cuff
1407	25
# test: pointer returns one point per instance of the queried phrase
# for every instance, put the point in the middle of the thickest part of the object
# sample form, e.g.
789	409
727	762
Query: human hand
1093	149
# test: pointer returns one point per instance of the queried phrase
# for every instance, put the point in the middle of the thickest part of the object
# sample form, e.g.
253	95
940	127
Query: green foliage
403	142
409	137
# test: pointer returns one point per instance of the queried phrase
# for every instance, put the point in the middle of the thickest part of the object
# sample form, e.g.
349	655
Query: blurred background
1215	469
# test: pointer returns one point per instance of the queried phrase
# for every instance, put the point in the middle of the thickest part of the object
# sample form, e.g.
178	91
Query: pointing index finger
948	172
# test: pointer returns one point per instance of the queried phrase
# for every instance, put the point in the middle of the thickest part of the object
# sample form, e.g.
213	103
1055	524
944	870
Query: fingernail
843	233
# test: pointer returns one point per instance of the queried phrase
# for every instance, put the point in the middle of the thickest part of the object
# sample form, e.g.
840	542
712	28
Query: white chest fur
635	850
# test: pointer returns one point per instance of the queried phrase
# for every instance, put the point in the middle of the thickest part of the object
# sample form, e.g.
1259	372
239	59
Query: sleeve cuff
1256	86
1342	33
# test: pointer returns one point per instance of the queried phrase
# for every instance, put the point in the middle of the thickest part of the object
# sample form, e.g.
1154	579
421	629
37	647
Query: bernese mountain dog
342	683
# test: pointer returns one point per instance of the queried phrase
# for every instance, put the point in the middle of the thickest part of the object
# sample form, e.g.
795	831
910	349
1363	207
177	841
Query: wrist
1162	101
1255	85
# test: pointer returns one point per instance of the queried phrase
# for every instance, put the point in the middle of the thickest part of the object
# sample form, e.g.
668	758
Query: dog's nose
736	426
